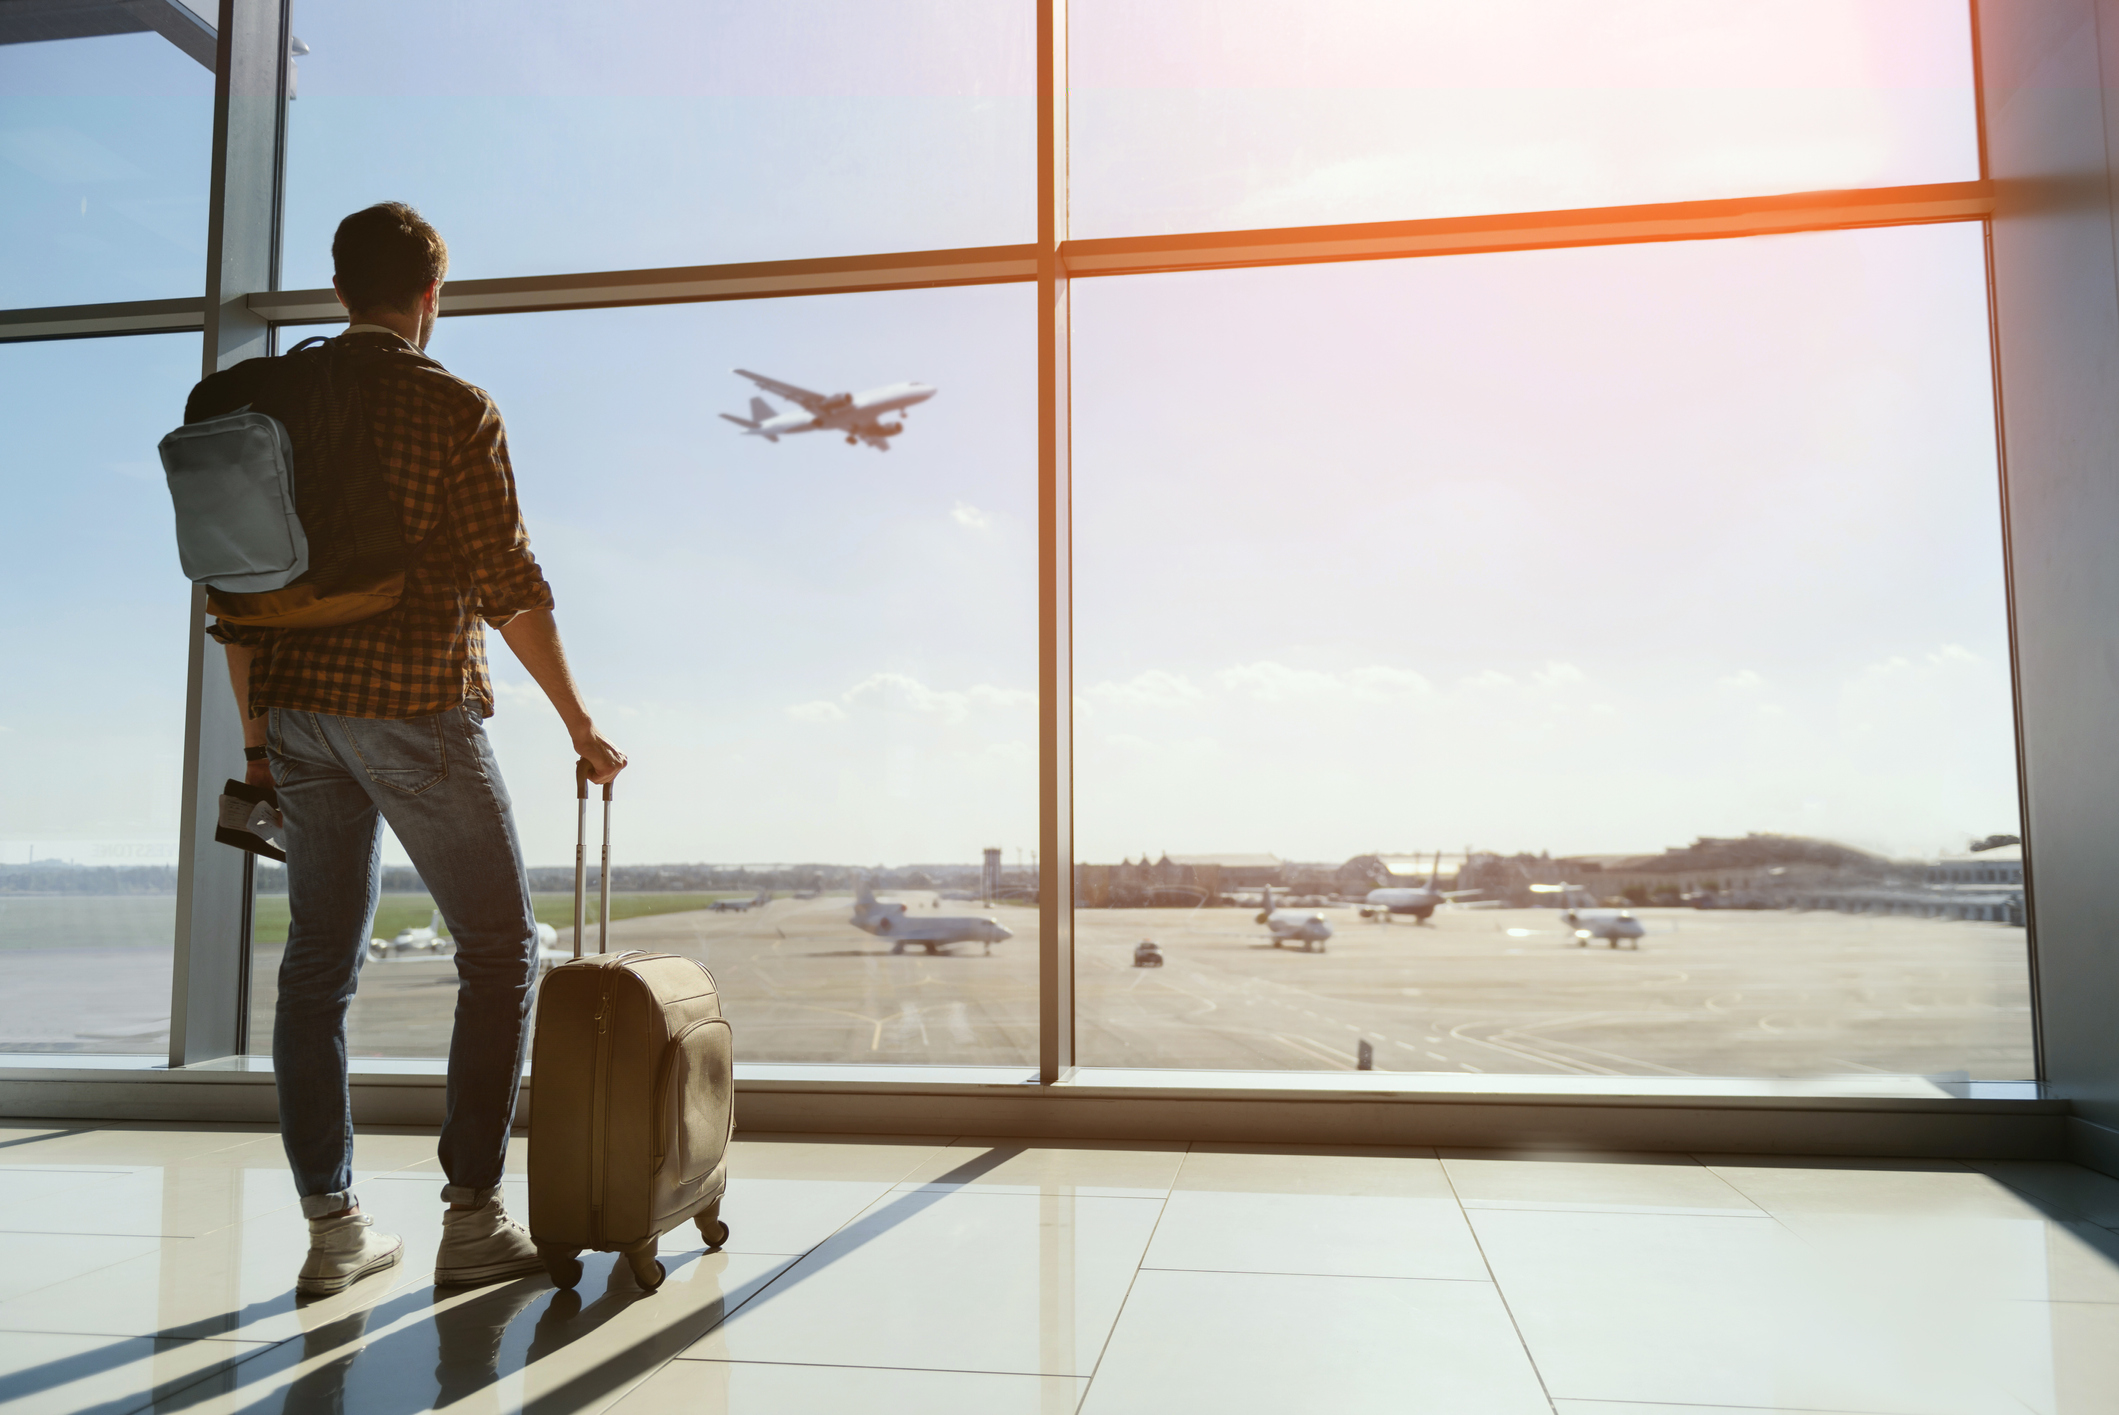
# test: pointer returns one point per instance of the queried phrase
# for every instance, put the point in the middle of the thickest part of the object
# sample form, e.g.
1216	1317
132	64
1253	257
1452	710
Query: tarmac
1735	993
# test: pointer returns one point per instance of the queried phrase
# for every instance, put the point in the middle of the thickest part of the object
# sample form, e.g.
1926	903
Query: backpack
281	509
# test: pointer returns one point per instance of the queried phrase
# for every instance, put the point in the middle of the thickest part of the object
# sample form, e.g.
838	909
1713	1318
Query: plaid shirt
445	461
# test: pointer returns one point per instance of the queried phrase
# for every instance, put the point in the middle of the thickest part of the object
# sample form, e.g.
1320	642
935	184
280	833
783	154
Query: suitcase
631	1095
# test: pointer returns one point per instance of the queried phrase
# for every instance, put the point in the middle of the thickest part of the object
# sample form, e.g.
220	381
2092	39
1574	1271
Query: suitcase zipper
599	1119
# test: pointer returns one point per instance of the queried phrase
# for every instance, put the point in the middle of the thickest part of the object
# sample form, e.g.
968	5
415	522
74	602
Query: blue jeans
435	780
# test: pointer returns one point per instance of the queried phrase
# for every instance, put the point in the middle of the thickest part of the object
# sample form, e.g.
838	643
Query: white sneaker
342	1251
483	1245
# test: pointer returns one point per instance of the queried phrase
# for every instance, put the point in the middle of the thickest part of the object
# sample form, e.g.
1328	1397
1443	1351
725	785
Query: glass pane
1661	580
105	150
92	720
563	137
821	659
1211	115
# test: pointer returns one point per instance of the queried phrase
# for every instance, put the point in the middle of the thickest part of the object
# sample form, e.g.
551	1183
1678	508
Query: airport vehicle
742	906
1611	925
632	1101
860	416
1147	955
889	920
1421	901
1307	927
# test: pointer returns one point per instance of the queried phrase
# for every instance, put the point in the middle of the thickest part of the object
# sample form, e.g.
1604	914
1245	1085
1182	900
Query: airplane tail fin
1434	875
760	410
864	895
1267	911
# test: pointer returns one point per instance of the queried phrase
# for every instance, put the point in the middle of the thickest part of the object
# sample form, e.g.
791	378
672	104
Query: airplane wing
809	402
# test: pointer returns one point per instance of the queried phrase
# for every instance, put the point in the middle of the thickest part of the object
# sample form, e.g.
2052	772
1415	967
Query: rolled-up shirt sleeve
247	634
486	518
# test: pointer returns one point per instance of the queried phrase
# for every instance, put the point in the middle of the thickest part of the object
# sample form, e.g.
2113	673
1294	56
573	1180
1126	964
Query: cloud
1276	682
819	711
903	691
1743	679
1558	675
1153	689
1382	681
970	517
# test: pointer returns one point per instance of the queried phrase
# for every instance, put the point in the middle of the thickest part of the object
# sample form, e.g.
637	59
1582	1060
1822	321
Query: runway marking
1310	1048
1522	1053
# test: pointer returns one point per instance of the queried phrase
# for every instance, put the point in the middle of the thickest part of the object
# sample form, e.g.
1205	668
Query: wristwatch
256	754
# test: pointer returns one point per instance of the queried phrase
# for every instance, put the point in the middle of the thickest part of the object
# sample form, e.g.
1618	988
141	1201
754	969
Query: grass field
405	911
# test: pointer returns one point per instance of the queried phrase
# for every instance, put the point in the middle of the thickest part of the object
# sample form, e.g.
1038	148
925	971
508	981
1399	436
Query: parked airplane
431	941
1420	902
1307	927
742	906
858	415
890	921
1611	925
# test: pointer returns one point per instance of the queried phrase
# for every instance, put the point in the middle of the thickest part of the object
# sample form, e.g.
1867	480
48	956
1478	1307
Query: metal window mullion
1055	899
209	976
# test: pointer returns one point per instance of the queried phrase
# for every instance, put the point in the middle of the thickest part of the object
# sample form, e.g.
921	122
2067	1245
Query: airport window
92	707
563	137
819	657
1210	115
1597	621
1654	589
105	139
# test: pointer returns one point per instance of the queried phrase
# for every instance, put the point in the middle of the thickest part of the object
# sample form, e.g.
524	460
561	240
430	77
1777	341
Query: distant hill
1752	852
61	877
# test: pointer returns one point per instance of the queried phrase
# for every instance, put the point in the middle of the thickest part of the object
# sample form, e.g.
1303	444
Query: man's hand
258	773
605	761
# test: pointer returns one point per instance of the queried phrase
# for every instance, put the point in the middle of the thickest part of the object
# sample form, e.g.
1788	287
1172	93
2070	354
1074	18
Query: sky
1589	551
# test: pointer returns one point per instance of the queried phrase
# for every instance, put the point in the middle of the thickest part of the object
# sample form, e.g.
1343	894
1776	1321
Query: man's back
444	458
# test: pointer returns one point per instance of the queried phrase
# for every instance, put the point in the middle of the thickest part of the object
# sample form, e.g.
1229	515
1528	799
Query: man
381	720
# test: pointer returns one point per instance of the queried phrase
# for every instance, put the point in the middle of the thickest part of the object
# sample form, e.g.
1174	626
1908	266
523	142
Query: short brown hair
386	256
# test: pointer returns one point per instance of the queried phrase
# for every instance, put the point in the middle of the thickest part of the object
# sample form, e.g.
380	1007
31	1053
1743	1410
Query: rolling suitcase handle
581	861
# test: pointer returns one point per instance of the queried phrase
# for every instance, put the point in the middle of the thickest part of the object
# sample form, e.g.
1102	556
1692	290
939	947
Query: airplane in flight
742	906
890	921
1304	926
1611	925
858	415
1420	901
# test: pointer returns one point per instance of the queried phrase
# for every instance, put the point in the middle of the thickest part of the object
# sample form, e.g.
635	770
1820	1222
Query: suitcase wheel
646	1271
563	1264
713	1230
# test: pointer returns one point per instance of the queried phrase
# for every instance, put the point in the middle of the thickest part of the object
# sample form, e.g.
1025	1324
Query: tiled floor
153	1267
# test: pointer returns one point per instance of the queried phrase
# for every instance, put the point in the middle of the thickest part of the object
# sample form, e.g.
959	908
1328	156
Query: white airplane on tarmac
1420	901
1611	925
1304	926
890	921
741	906
858	415
430	942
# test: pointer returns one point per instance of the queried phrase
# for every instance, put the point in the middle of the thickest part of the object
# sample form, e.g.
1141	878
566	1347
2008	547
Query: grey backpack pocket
231	479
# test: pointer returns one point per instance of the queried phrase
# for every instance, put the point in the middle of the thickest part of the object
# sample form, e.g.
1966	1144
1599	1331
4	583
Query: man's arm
533	636
239	656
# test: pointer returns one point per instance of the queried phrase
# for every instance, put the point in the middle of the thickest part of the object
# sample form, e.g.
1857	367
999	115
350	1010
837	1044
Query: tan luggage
631	1096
